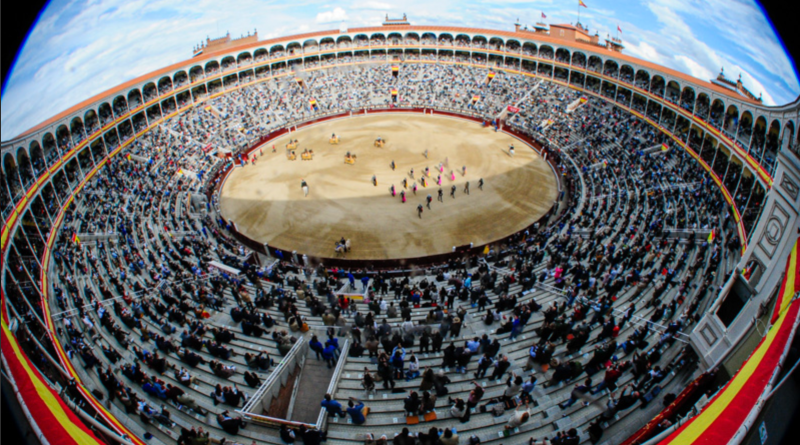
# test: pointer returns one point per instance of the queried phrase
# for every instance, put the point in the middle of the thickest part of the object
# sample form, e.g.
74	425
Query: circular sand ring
269	207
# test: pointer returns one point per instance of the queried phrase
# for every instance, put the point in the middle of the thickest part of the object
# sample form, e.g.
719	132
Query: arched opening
715	113
560	74
154	113
37	159
563	56
134	99
673	92
446	39
196	73
91	122
199	92
184	98
668	118
731	179
180	79
150	92
105	114
579	59
595	64
139	122
610	68
657	86
626	74
51	153
276	51
120	106
243	59
212	68
344	42
428	39
463	40
758	138
608	89
545	70
513	46
327	43
496	44
394	38
377	39
639	103
642	80
546	52
770	152
310	45
111	139
654	110
687	99
228	62
479	42
576	78
745	129
164	85
63	138
361	40
701	106
787	140
623	95
593	84
731	120
98	149
12	176
24	165
77	131
85	160
529	49
260	55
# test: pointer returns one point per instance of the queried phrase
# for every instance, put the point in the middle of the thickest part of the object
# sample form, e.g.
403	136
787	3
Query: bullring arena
625	276
266	201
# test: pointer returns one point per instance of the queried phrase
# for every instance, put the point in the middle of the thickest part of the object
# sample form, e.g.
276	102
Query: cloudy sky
79	48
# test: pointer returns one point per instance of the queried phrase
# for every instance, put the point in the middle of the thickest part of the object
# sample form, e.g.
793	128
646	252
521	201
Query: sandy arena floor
266	201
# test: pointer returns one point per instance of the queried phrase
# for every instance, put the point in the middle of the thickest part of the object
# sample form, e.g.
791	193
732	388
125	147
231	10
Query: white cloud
373	5
336	15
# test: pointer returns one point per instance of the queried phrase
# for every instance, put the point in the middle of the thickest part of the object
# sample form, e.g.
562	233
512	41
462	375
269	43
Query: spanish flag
475	99
75	238
394	91
208	108
712	236
395	68
299	81
747	271
128	157
664	147
489	77
580	2
486	250
180	171
313	103
584	99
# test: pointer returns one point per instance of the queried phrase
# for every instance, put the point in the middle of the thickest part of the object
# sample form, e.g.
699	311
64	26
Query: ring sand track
267	205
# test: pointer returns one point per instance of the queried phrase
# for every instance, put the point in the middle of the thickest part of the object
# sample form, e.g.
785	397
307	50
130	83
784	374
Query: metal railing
322	419
277	377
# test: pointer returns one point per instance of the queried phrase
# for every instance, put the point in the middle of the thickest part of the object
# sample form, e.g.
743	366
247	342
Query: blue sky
79	48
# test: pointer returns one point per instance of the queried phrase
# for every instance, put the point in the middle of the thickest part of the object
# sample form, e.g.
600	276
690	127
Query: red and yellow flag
395	68
580	2
75	238
664	147
712	236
